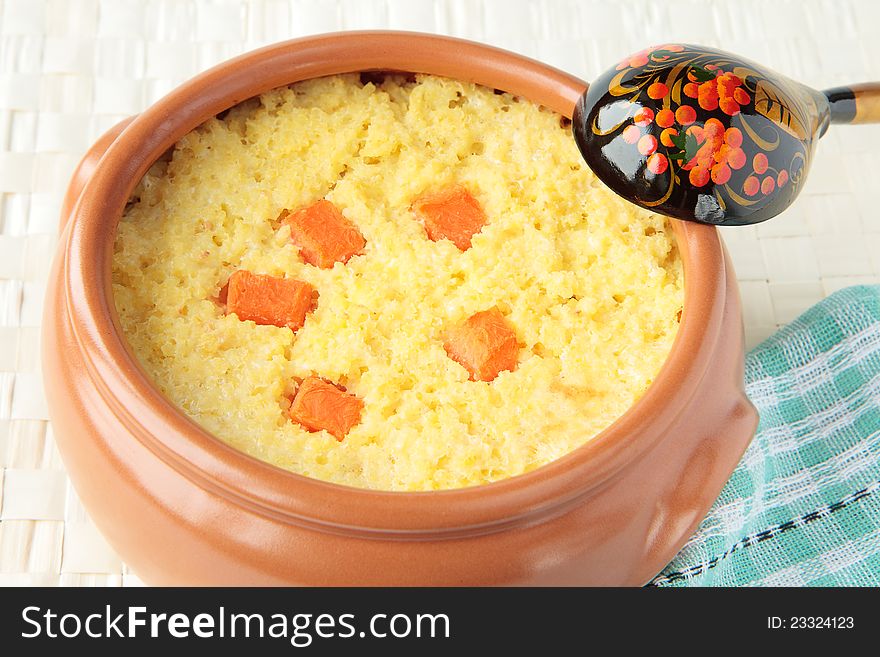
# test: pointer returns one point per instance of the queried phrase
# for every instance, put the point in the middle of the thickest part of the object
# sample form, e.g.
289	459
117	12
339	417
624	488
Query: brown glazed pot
181	507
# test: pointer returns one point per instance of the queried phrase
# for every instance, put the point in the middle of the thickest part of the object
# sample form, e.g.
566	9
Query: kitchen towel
803	506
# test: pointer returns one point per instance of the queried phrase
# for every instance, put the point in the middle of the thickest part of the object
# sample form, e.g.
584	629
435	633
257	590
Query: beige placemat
69	69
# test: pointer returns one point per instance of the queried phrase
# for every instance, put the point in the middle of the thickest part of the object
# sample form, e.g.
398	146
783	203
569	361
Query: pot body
182	508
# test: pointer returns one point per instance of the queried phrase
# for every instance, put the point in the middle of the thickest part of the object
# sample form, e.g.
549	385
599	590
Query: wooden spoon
703	135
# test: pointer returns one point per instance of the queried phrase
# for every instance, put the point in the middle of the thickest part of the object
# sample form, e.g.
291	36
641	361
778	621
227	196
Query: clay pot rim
294	498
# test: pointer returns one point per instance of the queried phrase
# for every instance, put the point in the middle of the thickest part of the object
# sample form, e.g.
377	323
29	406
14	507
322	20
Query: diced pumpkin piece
323	235
321	405
269	300
485	344
452	214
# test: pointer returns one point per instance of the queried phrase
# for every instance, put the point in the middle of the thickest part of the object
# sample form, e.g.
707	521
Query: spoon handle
856	103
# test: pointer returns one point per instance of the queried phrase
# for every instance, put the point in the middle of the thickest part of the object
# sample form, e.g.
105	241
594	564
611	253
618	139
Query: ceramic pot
182	507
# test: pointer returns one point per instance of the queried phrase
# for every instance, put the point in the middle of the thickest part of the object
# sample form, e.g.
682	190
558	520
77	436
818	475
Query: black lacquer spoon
703	135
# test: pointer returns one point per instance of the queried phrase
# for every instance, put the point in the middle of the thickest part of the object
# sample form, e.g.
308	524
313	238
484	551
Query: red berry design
751	186
647	144
699	176
729	106
643	56
734	80
760	163
638	60
722	92
657	163
697	133
666	137
631	134
685	115
657	91
714	127
782	178
665	118
711	138
644	116
768	185
720	174
707	96
733	137
736	158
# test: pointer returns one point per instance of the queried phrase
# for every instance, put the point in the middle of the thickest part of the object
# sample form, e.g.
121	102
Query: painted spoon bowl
706	136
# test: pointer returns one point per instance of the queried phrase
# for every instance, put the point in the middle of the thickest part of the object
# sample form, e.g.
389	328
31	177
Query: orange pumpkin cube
452	214
323	235
319	405
485	344
268	300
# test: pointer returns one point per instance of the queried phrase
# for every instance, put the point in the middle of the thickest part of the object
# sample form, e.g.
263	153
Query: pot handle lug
86	167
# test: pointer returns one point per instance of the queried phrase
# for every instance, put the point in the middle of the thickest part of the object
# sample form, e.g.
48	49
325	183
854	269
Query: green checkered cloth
803	506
